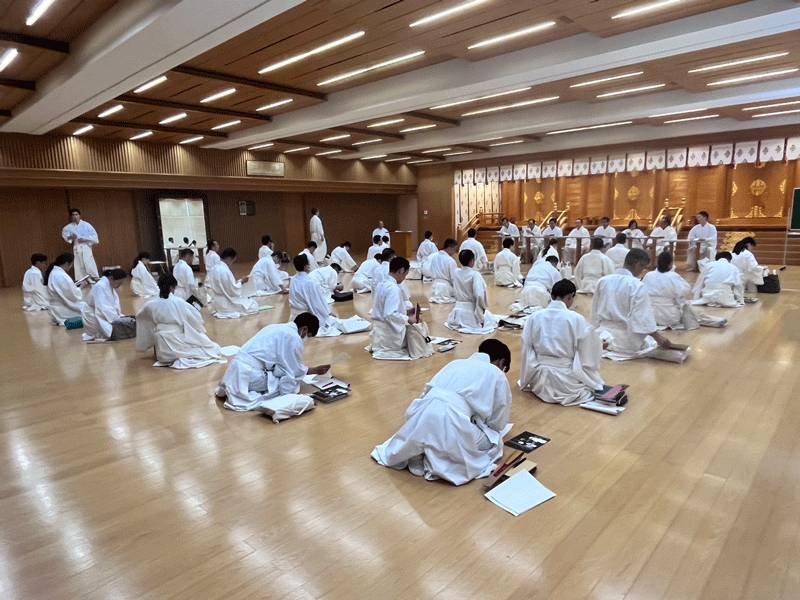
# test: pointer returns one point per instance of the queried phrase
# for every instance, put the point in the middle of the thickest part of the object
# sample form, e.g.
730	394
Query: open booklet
519	493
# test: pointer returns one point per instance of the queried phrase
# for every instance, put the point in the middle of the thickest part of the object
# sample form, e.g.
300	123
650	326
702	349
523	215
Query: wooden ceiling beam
19	84
264	85
140	127
435	118
371	132
194	108
35	42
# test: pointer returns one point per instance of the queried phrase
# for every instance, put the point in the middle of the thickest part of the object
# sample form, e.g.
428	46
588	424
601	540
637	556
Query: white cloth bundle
284	407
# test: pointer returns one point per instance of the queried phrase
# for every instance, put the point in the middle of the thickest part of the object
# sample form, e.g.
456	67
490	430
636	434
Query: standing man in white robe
66	300
269	365
539	282
266	277
561	352
591	267
102	316
621	306
704	233
142	282
666	234
606	232
318	236
228	300
619	251
328	279
267	247
455	430
212	257
305	296
187	282
470	314
571	245
478	251
311	251
508	228
720	283
506	266
381	231
443	270
744	259
341	256
34	293
426	248
82	236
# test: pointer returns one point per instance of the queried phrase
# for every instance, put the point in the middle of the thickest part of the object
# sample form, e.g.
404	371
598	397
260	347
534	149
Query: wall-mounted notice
263	168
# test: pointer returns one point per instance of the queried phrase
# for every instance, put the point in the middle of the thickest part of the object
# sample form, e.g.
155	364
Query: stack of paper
519	493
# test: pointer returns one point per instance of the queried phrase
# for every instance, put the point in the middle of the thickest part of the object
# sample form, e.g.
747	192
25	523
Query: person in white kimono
621	306
269	365
328	279
744	259
318	236
703	234
392	319
591	267
571	245
66	300
635	235
362	279
341	256
619	251
187	282
267	247
443	270
381	231
382	272
561	352
82	236
508	228
550	249
34	293
426	248
539	282
605	232
376	248
102	316
455	430
470	314
310	252
174	329
228	301
142	282
212	257
477	249
305	295
506	266
665	234
534	240
266	276
552	230
720	283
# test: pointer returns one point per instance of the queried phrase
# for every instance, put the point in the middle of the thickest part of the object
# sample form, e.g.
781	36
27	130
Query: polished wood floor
123	481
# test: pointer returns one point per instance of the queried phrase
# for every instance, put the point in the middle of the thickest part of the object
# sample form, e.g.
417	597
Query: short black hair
428	235
186	252
597	243
385	238
116	274
209	245
450	243
397	263
553	260
311	244
621	238
376	239
667	219
704	213
496	350
664	261
471	232
74	210
227	253
465	257
637	256
336	267
265	240
508	242
308	321
37	258
723	254
388	254
347	245
300	262
314	211
562	289
605	219
552	220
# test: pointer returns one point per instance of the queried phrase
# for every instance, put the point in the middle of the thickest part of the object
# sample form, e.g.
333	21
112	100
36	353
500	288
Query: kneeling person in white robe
362	280
506	266
187	282
142	282
469	314
269	365
455	430
266	276
443	269
66	300
539	283
720	283
619	251
481	260
591	267
305	296
744	260
228	300
561	352
34	293
328	279
341	256
102	316
426	248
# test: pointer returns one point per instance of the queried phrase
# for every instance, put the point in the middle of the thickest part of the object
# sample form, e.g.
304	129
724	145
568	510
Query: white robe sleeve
290	369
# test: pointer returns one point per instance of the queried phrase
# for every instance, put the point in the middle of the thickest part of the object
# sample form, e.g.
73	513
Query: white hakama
102	315
228	300
538	284
342	257
362	280
752	272
84	260
591	267
469	314
389	323
266	277
66	300
442	269
506	269
481	260
34	295
142	282
318	236
720	284
668	294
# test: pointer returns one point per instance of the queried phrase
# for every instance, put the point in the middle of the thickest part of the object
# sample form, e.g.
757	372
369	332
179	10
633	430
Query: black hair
210	244
308	321
60	261
300	262
605	219
186	241
637	256
227	253
265	240
621	238
633	222
314	211
311	244
397	263
428	235
471	232
552	219
664	262
704	213
450	243
667	219
347	245
165	285
562	289
388	254
508	243
741	245
142	255
282	257
186	252
37	258
496	350
597	243
115	274
385	238
74	210
465	257
553	260
551	242
336	267
726	255
376	239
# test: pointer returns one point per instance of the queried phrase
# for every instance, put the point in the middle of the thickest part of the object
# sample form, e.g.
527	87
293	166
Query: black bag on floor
772	285
342	296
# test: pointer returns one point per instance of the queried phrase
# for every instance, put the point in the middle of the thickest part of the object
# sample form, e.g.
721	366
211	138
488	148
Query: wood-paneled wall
435	195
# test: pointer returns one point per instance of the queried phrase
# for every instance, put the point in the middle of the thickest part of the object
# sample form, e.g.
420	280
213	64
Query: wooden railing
561	217
674	214
473	223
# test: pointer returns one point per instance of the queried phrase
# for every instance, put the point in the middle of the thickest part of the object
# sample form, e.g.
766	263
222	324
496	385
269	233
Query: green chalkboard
795	224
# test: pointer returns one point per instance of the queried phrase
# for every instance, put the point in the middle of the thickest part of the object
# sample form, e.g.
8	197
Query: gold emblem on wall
633	198
782	187
758	190
734	189
538	198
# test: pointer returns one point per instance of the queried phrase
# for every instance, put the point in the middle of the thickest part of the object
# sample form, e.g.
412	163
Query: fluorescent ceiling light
742	61
8	56
416	162
509	106
297	149
780	112
150	84
691	119
417	128
589	127
390	122
373	67
110	111
752	77
507	143
228	124
677	112
376	156
275	104
190	140
328	152
512	35
398	158
457	153
304	55
142	135
644	88
435	150
218	95
449	104
367	142
336	137
172	119
763	106
606	79
446	13
643	9
260	146
83	130
38	11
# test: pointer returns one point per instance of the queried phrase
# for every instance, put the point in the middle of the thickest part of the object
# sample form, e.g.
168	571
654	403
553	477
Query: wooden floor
123	481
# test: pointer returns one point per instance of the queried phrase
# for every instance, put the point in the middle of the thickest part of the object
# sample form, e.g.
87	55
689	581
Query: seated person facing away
744	259
481	260
506	266
175	330
310	250
102	316
508	228
455	430
362	280
622	307
606	232
376	247
328	279
469	314
668	293
212	258
267	247
341	256
619	251
187	282
591	267
305	296
426	248
228	300
571	245
34	293
550	249
561	352
665	233
142	282
704	234
538	284
720	283
635	235
266	275
443	270
66	300
269	365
